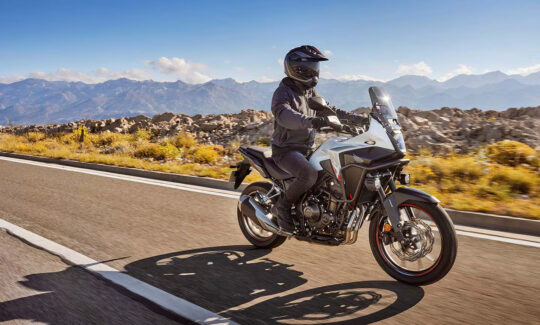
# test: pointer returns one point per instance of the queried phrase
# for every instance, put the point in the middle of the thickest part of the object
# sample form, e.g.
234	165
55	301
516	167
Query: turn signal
387	227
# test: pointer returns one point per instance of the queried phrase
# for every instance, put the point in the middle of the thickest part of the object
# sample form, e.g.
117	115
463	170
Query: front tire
432	215
254	233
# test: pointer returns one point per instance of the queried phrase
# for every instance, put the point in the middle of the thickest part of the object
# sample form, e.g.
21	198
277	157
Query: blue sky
197	40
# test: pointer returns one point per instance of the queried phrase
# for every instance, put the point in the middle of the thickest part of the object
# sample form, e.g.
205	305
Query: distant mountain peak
415	81
40	101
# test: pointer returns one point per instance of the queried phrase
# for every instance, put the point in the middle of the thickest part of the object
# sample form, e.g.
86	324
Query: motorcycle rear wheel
253	232
441	226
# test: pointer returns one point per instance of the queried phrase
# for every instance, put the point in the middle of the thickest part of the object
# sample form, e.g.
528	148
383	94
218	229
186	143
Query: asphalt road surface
189	244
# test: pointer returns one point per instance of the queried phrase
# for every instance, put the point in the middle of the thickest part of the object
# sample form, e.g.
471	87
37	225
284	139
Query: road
189	244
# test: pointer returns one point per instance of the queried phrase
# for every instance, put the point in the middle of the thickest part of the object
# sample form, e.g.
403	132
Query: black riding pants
305	175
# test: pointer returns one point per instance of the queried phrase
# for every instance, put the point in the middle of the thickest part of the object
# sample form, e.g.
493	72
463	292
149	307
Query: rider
294	126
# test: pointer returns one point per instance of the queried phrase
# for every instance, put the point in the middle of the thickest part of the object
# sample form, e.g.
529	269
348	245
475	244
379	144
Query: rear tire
271	241
447	254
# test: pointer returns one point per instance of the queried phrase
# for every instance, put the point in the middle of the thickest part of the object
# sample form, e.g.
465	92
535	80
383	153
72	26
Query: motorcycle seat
265	156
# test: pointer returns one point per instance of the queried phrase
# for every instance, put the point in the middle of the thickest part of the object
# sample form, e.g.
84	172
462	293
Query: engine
321	212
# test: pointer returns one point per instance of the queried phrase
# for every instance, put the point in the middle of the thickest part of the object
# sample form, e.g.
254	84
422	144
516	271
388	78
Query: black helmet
302	64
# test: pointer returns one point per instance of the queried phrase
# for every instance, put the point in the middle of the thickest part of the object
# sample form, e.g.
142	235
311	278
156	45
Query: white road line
497	238
507	238
163	299
183	187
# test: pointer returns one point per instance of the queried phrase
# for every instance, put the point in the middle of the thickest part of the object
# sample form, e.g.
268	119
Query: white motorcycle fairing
375	136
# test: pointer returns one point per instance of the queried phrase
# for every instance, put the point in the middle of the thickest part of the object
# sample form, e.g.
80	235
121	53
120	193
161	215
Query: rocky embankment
446	129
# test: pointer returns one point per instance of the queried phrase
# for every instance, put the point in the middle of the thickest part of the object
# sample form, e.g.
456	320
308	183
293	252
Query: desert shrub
264	141
465	168
499	191
142	134
219	149
23	147
50	143
78	132
65	138
420	174
35	136
156	151
519	180
149	150
512	153
39	148
107	139
170	151
439	168
184	140
205	154
91	138
122	146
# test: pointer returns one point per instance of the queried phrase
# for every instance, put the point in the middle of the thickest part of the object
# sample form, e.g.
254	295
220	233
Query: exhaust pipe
253	210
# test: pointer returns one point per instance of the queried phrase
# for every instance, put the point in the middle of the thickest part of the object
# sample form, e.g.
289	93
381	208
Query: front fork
389	204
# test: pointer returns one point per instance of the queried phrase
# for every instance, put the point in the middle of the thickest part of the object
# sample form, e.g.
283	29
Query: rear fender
242	170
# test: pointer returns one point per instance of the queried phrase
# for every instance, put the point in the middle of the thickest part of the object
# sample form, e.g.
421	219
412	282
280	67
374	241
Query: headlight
400	141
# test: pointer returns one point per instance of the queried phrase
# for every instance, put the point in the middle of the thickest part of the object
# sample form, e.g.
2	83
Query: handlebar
341	128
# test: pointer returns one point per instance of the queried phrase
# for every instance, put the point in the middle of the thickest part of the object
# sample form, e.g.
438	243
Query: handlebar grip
326	129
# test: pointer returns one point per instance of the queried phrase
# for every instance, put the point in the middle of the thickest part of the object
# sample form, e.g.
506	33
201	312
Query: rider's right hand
319	122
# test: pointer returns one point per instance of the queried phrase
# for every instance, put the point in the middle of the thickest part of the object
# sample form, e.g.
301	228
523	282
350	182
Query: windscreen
383	110
381	101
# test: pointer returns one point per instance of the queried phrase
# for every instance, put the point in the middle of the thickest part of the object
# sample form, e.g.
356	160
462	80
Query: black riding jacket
293	129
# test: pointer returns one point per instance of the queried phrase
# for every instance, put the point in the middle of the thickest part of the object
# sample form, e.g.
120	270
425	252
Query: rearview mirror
317	103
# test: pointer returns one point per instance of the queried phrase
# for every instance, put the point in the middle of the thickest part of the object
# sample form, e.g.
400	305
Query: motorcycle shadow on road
72	296
228	280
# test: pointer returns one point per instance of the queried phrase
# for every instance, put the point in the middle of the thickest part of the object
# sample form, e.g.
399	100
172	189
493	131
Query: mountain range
36	101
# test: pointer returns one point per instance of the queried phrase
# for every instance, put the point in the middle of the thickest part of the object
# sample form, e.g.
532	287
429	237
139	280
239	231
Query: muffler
253	210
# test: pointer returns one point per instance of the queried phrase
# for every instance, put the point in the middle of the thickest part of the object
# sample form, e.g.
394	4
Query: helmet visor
304	69
311	69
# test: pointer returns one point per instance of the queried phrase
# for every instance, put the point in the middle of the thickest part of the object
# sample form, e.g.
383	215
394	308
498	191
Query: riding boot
282	211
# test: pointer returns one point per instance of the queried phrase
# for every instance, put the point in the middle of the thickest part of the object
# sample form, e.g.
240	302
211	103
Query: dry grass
475	182
495	179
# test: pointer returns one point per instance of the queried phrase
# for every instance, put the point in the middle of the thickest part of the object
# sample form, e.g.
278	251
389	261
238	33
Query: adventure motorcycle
410	234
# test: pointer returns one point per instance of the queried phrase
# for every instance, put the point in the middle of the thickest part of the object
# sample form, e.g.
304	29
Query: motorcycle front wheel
430	248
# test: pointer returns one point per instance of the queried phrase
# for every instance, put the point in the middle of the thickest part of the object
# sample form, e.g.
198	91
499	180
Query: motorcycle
411	236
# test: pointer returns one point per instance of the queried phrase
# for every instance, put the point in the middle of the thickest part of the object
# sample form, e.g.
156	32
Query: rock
165	117
253	125
407	125
429	115
437	136
441	130
211	126
419	120
403	110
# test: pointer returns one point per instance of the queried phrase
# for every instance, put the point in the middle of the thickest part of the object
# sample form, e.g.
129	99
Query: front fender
404	193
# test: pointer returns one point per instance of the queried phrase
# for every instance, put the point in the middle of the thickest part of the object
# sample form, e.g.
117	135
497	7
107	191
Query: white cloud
100	75
327	52
265	79
526	70
281	62
420	68
180	68
10	79
327	74
351	77
461	69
